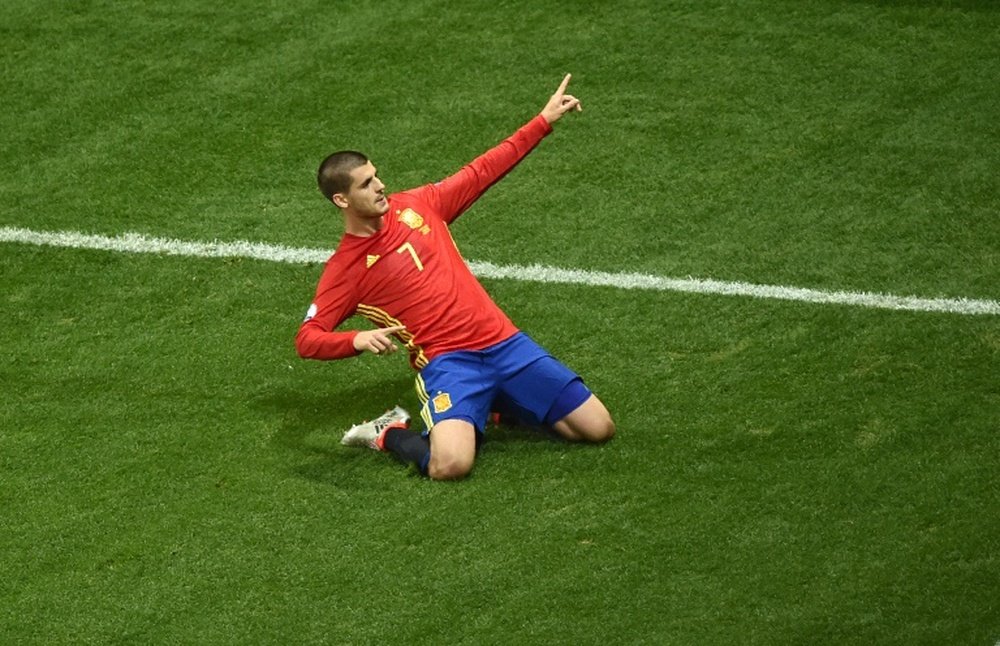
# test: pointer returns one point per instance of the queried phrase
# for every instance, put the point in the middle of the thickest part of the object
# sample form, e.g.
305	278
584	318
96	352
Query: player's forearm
315	343
492	165
458	192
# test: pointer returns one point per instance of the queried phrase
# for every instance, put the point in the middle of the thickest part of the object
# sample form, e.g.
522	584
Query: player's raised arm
456	193
560	103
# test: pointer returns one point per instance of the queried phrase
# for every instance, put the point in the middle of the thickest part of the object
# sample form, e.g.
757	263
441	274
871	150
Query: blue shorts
517	377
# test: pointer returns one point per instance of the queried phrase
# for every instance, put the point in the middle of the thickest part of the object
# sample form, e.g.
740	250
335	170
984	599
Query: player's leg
447	452
541	390
588	422
409	447
455	391
452	449
391	433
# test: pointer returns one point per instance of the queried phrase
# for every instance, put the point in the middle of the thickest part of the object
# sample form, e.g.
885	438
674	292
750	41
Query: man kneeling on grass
398	266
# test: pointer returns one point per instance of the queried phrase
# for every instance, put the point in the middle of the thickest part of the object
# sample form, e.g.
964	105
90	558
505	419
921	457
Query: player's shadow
311	424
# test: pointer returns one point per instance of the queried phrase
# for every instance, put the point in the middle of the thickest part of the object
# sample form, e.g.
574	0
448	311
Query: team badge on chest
414	220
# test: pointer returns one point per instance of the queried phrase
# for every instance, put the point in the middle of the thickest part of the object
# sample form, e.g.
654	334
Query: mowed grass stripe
137	243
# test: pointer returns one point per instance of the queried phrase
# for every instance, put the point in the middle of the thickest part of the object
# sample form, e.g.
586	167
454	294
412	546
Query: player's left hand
377	341
560	103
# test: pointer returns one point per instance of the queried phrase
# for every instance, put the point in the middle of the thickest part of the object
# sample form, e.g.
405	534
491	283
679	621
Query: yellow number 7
413	253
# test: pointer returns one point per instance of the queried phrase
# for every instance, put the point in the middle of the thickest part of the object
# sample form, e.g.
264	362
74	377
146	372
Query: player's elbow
303	346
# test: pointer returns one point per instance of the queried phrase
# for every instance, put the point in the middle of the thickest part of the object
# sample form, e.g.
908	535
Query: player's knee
598	429
448	467
592	422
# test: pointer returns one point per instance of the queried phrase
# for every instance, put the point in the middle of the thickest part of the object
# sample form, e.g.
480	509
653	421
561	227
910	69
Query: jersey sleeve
453	195
333	304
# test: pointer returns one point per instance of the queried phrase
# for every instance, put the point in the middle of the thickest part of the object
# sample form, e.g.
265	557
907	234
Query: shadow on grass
310	425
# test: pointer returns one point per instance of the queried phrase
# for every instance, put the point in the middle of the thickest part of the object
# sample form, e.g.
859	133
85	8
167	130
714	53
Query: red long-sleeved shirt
411	273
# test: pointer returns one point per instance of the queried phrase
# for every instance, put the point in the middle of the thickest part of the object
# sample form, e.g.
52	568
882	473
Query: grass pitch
170	472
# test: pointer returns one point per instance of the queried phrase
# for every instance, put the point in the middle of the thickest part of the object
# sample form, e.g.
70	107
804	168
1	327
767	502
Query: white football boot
365	433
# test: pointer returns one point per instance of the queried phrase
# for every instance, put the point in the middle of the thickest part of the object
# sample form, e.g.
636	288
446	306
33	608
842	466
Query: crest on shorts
442	402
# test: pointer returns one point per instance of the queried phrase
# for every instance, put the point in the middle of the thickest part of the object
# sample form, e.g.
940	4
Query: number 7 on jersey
406	246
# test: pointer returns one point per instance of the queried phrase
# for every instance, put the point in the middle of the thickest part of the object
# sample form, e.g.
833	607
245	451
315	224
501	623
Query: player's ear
340	200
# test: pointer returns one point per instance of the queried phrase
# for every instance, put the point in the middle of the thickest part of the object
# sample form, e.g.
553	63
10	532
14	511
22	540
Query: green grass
170	471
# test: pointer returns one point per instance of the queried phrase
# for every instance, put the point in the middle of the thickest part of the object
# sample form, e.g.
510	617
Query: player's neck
362	226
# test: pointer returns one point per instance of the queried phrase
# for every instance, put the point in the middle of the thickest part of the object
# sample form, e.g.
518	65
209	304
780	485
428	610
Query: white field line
135	243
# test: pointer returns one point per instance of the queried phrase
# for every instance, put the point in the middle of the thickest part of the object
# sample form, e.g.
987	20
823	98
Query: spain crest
442	402
411	218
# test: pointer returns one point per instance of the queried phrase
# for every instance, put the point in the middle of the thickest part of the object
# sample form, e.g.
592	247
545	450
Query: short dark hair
334	174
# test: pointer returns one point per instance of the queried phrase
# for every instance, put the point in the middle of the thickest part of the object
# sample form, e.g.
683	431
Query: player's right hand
560	103
377	341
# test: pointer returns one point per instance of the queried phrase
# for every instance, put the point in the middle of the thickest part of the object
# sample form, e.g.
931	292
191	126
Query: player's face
366	197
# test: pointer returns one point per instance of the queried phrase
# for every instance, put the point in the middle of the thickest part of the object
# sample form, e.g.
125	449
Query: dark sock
409	447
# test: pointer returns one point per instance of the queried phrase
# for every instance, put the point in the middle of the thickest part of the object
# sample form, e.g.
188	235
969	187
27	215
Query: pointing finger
564	84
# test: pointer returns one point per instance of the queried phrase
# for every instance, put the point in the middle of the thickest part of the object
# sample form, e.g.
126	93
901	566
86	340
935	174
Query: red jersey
411	273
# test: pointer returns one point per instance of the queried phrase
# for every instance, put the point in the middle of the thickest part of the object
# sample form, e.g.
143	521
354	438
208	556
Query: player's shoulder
342	257
419	200
409	196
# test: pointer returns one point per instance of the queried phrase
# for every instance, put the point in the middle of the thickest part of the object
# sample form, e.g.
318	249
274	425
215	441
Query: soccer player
398	266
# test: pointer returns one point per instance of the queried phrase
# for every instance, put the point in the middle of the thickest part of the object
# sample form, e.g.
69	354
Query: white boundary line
136	243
